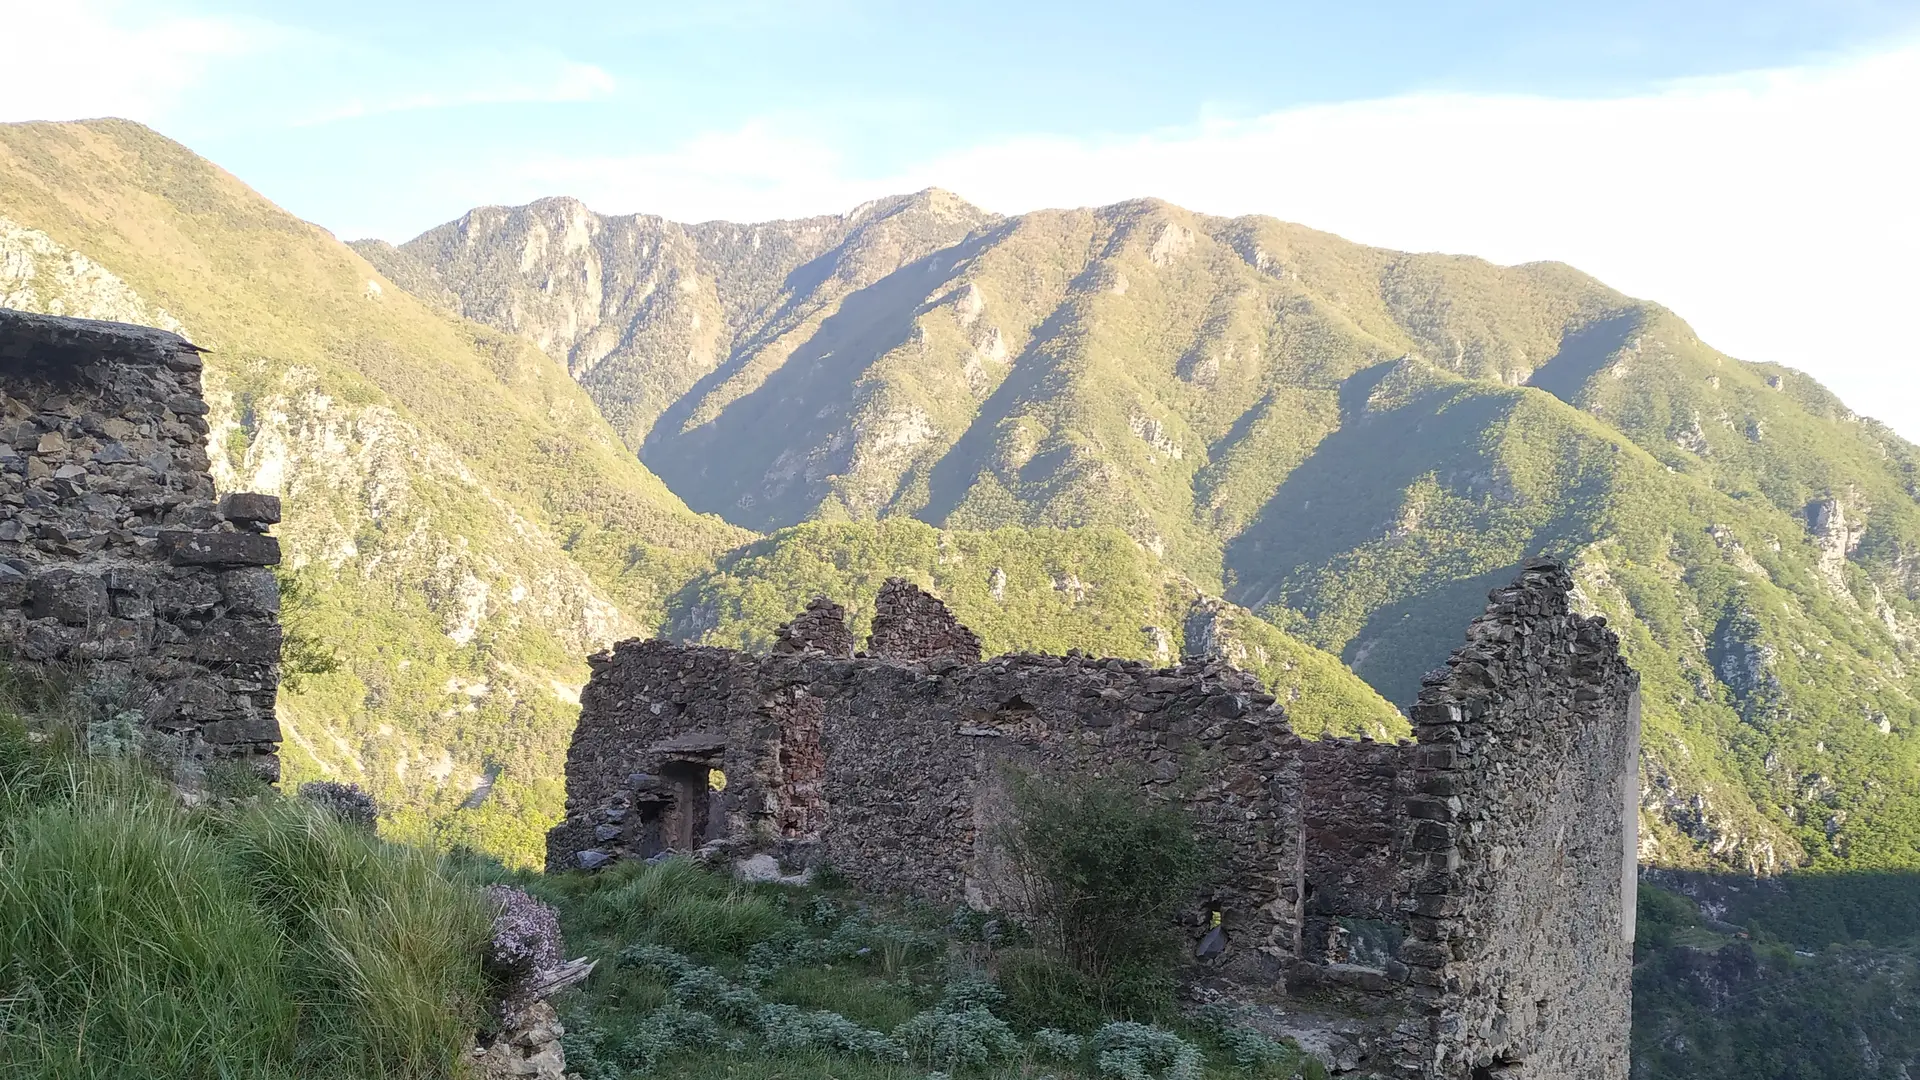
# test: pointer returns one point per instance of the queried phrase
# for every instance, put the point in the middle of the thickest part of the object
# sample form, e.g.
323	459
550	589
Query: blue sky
1750	164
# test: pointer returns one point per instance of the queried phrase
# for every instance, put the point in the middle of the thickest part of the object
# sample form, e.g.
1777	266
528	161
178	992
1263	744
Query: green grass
678	905
688	957
139	939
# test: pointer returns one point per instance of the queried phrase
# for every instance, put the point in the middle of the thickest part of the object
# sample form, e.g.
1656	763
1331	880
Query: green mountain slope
1033	590
1350	442
467	524
465	527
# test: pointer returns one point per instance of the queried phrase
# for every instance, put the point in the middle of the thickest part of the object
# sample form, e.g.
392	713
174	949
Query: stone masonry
1462	904
119	569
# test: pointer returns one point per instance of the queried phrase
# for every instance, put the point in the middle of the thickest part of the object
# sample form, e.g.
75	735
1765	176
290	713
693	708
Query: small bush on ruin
523	948
1106	870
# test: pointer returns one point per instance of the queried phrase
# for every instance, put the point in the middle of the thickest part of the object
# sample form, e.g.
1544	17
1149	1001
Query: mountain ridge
463	526
1349	441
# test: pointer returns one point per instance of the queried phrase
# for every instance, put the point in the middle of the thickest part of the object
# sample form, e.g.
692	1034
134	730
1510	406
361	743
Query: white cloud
1775	210
72	60
86	58
464	79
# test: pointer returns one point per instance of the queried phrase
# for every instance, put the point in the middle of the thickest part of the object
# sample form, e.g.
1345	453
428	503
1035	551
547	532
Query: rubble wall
120	572
1468	898
917	760
1520	854
1353	838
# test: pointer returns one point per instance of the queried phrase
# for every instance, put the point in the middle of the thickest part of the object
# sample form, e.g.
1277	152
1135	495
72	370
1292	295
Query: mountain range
1133	429
1351	444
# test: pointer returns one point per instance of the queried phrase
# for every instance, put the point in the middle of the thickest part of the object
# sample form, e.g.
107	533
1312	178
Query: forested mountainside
463	528
465	524
1351	443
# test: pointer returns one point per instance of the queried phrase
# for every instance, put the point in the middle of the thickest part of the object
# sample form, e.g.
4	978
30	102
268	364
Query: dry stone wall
911	625
119	568
1465	900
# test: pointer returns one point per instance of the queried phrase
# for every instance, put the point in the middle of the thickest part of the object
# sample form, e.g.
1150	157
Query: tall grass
140	939
679	904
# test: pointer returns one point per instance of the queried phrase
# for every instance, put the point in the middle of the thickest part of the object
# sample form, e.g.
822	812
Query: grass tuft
141	939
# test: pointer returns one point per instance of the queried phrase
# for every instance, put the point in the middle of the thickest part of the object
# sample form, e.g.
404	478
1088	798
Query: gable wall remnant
1461	895
119	567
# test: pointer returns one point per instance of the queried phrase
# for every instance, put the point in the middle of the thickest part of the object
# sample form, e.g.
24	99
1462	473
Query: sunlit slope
1026	590
1352	442
466	524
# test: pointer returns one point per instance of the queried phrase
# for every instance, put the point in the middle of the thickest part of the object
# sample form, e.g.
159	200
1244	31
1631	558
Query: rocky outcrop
115	558
1835	538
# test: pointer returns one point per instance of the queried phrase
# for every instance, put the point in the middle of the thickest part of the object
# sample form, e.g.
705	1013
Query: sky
1751	165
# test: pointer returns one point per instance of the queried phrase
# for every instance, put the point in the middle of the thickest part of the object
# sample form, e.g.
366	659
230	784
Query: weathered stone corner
115	558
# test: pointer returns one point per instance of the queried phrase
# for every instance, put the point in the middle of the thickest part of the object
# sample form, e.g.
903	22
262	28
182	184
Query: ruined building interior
1465	899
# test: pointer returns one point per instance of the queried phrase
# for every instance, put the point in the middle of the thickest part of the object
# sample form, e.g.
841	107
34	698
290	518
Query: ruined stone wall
1353	839
1520	858
1467	898
910	625
118	569
822	627
650	704
917	759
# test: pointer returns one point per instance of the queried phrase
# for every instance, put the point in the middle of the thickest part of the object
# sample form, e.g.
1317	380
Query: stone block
238	641
254	727
114	639
186	595
72	597
195	548
248	508
251	591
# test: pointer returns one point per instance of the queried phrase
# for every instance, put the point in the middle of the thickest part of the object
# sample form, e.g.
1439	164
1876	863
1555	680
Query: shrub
1127	1050
951	1038
348	802
972	992
1255	1051
655	958
705	988
665	1032
1044	991
1105	870
788	1028
524	945
1058	1045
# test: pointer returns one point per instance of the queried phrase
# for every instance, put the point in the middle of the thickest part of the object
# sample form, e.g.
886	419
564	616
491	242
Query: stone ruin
1453	908
120	571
